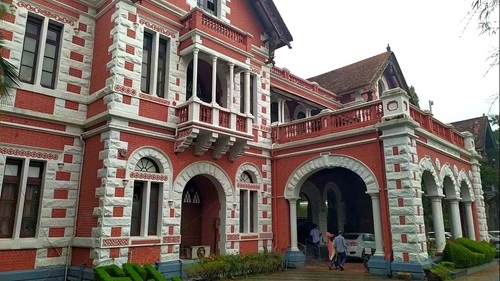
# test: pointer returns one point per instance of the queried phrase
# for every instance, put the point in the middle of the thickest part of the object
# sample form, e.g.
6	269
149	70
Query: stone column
475	175
438	223
195	75
214	79
377	224
231	87
470	221
404	192
293	223
456	230
247	91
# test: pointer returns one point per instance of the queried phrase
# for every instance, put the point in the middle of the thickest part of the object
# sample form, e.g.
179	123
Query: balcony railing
329	122
198	19
434	126
202	114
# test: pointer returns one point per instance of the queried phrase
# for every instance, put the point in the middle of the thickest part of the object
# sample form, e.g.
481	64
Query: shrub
176	278
461	256
153	274
134	271
447	264
440	272
478	247
110	273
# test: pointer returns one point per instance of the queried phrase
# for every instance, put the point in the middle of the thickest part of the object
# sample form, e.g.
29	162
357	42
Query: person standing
315	237
331	251
340	247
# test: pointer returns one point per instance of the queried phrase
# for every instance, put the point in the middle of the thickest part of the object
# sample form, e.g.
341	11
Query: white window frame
249	198
36	85
21	196
154	62
146	196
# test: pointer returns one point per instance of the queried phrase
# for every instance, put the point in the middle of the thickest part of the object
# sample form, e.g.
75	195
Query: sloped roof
272	21
355	75
477	126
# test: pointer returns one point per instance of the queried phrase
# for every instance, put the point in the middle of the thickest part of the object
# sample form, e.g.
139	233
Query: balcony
208	126
328	122
199	20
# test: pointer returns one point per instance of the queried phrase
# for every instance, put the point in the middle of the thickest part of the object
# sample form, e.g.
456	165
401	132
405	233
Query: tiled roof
353	76
477	126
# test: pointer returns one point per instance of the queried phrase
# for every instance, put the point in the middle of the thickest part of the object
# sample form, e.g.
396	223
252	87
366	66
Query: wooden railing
329	122
434	126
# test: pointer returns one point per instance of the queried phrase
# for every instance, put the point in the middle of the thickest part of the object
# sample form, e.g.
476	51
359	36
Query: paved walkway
356	271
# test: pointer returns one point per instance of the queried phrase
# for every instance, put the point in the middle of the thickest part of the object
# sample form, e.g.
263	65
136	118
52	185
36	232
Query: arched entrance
321	174
467	196
205	192
200	222
434	213
452	198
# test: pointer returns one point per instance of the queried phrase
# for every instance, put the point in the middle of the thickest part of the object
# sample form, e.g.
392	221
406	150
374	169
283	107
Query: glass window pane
153	209
30	44
50	51
46	79
52	35
48	64
135	227
28	59
32	28
11	170
26	74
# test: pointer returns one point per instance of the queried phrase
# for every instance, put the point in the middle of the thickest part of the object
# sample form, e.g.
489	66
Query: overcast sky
443	62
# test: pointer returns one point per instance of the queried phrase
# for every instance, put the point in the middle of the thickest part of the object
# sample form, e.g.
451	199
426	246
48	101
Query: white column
247	91
456	230
293	223
470	221
231	87
377	224
438	222
195	74
214	79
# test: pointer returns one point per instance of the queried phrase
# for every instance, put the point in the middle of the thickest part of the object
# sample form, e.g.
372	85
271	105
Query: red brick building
153	131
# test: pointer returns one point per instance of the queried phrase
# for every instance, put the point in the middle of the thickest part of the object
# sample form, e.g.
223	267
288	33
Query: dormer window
208	5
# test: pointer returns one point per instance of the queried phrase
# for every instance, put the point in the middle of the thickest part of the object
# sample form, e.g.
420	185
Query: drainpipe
68	254
274	195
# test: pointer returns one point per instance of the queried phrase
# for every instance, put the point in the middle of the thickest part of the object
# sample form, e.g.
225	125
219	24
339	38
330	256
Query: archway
452	198
467	195
432	205
205	188
318	171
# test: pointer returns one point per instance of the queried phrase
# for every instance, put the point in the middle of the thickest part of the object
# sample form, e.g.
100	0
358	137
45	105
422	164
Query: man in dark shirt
341	248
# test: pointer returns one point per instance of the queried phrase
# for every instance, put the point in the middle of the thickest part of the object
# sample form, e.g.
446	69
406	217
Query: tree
414	97
484	11
9	78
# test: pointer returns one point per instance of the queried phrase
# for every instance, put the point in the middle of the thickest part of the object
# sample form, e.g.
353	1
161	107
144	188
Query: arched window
248	205
146	201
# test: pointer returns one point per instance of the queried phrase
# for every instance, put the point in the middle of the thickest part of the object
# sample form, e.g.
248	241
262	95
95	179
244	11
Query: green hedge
225	266
478	247
130	272
461	256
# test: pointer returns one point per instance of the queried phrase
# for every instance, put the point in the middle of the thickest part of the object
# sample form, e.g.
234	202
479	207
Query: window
208	5
248	206
32	51
155	64
20	190
146	202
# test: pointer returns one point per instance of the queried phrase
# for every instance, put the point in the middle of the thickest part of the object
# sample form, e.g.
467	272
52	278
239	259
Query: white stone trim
427	165
446	171
251	168
327	160
462	176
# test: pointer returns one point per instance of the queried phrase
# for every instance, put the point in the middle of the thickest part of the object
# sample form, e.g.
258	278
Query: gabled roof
272	21
477	126
360	74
